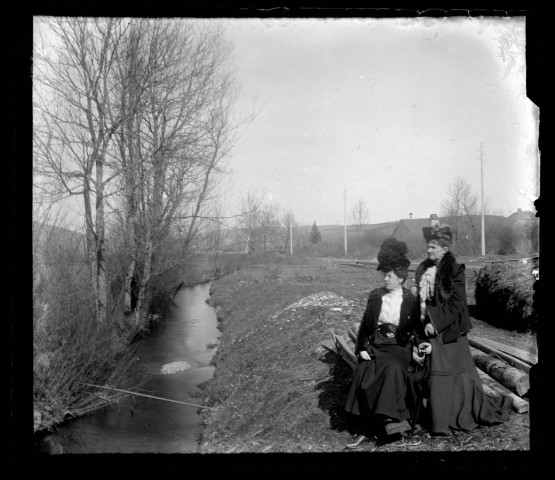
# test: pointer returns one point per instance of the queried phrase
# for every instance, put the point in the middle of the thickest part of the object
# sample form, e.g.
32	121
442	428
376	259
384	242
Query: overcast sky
390	111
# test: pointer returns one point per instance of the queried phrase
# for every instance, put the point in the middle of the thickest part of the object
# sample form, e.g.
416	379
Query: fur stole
444	276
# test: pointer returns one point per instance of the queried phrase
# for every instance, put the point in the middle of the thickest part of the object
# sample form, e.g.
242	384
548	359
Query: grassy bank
277	389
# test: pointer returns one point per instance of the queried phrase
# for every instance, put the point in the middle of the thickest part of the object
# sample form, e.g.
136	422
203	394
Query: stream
176	356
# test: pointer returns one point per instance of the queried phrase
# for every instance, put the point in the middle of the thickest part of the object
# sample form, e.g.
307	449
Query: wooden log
344	350
353	335
522	260
514	356
490	392
350	343
519	404
514	379
330	345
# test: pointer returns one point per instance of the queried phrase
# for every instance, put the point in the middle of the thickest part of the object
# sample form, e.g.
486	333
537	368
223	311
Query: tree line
266	229
133	117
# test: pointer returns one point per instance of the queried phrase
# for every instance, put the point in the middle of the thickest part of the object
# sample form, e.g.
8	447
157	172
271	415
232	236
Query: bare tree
134	115
249	221
215	232
359	214
269	226
461	204
133	78
185	132
73	127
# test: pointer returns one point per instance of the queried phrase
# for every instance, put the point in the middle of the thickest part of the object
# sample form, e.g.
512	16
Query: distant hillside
337	232
49	237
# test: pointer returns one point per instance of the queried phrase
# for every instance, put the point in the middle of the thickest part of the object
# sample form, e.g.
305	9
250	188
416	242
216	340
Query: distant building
412	231
466	232
521	218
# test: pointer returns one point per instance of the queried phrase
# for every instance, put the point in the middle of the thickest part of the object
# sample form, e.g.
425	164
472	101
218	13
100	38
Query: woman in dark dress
384	349
456	397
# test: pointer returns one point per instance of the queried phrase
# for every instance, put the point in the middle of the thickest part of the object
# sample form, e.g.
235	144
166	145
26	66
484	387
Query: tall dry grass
70	348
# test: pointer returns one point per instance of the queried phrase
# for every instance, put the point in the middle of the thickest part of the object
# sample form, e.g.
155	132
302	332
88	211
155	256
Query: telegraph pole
345	217
482	190
290	236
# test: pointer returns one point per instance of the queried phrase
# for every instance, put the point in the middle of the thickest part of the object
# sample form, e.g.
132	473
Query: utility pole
482	189
345	217
290	236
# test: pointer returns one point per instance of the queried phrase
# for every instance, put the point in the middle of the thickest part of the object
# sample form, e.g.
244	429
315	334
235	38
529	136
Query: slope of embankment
276	388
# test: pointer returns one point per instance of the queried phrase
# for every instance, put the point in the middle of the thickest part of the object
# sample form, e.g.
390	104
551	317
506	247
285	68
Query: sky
388	111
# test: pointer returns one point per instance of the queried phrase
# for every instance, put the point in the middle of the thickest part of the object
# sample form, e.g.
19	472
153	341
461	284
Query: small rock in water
175	367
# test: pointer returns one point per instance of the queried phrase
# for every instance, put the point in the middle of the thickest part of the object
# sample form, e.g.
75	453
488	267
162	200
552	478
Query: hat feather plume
392	254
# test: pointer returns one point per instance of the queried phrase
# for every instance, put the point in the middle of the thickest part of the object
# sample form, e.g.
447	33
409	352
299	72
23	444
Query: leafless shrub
70	348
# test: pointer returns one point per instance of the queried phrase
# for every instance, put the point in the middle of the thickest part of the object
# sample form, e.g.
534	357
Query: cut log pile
504	370
516	357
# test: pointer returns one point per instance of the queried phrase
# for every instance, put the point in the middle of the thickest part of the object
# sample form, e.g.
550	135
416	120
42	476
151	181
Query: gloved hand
425	348
417	356
364	355
430	330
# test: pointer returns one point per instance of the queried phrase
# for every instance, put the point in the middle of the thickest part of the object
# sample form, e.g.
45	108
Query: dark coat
408	322
448	310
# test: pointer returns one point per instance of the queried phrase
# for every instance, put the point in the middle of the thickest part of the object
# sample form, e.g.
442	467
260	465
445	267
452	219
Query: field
277	389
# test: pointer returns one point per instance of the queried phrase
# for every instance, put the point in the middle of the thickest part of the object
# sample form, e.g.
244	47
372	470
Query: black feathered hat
441	233
392	255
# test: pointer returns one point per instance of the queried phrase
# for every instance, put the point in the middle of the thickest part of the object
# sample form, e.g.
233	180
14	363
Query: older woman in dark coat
384	349
456	396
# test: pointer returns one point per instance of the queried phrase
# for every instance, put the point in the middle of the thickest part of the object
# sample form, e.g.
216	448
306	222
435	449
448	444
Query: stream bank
277	389
174	357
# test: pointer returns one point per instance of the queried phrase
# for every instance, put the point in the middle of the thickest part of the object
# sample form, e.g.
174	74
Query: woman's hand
430	330
425	348
364	355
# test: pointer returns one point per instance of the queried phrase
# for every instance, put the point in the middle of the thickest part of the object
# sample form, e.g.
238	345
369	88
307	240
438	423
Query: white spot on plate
174	367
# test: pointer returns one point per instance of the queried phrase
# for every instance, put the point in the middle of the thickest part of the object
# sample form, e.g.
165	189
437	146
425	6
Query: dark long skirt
457	398
379	386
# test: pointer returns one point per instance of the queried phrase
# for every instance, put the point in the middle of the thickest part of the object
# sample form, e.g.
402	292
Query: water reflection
144	425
